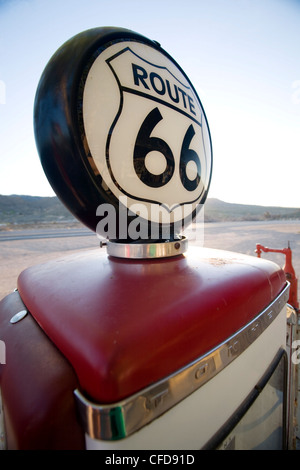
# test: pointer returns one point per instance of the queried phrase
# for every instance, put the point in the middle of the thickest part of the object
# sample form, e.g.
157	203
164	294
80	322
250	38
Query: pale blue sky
242	56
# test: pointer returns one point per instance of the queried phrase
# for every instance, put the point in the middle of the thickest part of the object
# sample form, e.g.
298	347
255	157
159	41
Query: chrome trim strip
3	444
147	250
118	420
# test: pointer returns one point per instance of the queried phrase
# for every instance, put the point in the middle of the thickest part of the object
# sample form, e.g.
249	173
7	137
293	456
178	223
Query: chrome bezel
147	250
118	420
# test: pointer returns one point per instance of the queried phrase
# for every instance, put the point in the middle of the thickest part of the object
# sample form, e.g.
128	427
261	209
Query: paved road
20	249
43	233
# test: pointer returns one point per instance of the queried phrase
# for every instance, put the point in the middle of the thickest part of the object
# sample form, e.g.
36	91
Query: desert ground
18	251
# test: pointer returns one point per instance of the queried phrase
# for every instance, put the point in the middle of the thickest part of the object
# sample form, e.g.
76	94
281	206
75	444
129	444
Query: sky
242	56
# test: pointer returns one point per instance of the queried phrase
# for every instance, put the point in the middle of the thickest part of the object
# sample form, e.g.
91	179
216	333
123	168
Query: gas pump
143	343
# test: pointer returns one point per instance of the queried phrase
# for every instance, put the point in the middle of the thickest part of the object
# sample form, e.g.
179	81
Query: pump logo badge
156	143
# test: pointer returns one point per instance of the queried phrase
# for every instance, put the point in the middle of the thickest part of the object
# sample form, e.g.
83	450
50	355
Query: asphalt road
22	248
32	234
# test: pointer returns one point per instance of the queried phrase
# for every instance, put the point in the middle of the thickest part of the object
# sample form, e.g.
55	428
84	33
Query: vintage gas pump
143	343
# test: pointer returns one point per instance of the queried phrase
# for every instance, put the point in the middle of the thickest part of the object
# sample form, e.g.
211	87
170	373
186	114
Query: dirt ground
16	255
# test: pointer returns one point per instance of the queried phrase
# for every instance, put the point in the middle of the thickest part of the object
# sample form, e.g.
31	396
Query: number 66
145	144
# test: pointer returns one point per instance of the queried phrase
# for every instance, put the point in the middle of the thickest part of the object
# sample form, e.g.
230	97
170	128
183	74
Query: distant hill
220	211
23	210
32	209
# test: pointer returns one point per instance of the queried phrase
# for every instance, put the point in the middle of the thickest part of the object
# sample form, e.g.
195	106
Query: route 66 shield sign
118	122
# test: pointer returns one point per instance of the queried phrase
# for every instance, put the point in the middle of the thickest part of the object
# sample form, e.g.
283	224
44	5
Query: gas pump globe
123	137
144	343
